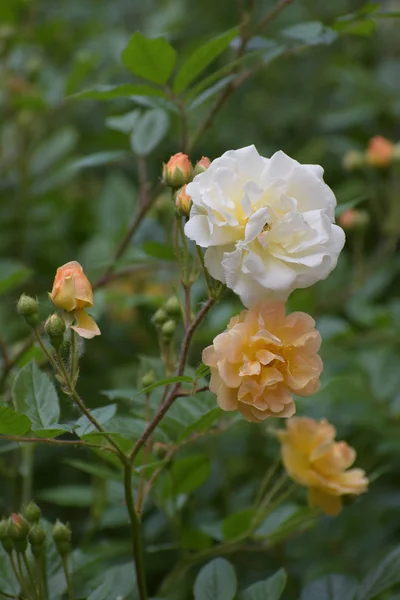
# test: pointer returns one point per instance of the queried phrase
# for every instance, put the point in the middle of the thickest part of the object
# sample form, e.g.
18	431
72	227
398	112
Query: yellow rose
261	359
312	458
72	292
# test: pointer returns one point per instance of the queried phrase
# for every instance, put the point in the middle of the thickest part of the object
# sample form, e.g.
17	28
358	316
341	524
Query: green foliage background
68	190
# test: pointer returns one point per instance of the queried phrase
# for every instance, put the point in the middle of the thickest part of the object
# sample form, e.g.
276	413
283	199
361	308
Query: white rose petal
267	224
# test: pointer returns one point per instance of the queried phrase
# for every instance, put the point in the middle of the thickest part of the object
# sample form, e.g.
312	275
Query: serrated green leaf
382	577
237	524
150	129
12	274
186	475
270	589
94	469
12	422
201	58
330	587
166	381
149	58
201	424
52	150
125	90
84	426
35	396
216	581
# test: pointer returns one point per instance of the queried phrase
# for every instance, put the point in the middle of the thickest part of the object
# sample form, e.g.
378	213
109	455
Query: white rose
267	224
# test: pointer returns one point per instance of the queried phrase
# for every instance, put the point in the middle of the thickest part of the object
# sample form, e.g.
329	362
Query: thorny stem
136	538
74	356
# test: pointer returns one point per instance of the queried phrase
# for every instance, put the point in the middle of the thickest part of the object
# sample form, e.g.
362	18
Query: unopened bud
36	538
62	538
201	165
55	329
159	317
148	379
168	329
28	309
183	202
353	160
32	512
380	152
353	219
18	527
3	529
5	539
173	307
177	171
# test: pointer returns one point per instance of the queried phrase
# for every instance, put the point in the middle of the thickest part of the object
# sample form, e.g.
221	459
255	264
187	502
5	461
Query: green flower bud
168	330
36	538
201	166
17	528
62	538
8	545
21	546
32	512
173	307
148	379
55	329
3	529
159	317
28	309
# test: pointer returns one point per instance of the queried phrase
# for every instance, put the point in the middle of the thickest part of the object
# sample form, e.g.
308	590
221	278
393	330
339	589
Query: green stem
137	550
67	578
41	576
185	277
39	340
205	272
74	356
21	575
30	576
26	472
16	572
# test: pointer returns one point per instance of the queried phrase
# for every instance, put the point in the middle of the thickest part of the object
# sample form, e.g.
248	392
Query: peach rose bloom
261	359
380	151
178	170
312	458
72	292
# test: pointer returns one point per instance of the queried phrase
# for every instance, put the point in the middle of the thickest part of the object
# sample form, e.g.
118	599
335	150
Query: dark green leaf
187	474
201	58
150	58
12	422
216	581
94	469
12	274
201	424
166	381
270	589
52	150
237	524
149	131
382	577
108	92
35	396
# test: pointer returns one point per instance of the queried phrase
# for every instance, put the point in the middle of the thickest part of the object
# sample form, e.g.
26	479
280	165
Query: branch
175	392
40	440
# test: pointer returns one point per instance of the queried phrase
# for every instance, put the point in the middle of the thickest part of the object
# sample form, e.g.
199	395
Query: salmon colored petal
64	295
86	326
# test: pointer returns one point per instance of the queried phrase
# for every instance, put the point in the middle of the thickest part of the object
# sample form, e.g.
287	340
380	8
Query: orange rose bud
201	165
353	219
177	171
71	288
380	151
183	202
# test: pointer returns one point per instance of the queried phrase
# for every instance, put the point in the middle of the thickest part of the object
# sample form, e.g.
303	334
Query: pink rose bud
352	219
380	151
177	171
201	165
183	202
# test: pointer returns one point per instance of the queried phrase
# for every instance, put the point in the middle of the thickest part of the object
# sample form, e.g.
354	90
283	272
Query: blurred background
69	188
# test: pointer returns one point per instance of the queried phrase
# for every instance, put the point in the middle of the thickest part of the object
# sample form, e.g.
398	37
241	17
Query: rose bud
177	171
352	219
28	309
201	165
380	151
183	202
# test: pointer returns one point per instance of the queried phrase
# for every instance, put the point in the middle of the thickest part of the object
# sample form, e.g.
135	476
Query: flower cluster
313	459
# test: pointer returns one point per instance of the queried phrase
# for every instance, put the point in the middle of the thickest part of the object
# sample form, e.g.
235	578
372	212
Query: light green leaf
12	274
125	90
12	422
311	33
52	150
158	250
35	396
201	58
149	131
330	587
270	589
150	58
187	474
383	577
124	123
98	159
102	415
237	524
166	381
216	581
